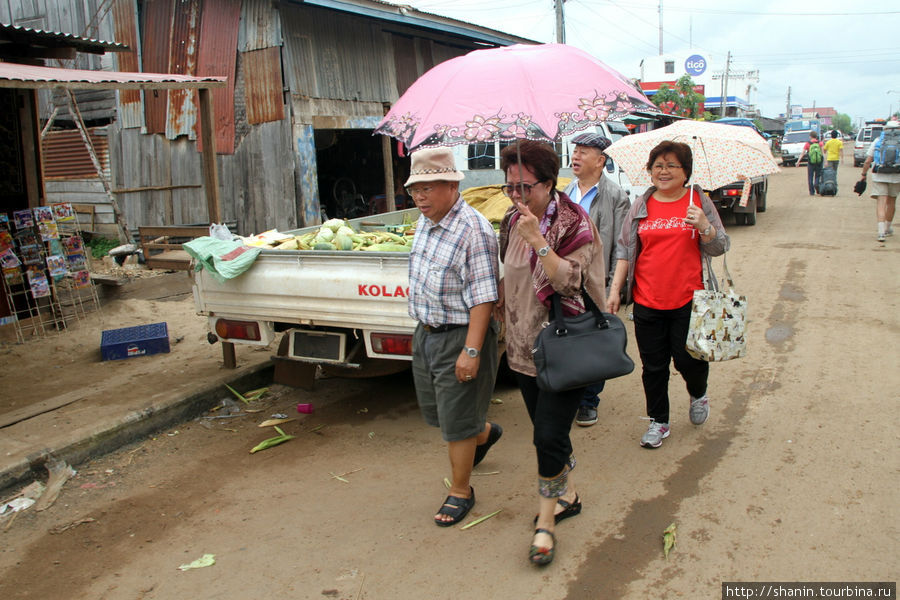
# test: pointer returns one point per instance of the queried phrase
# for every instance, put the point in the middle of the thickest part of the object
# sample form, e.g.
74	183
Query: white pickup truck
344	310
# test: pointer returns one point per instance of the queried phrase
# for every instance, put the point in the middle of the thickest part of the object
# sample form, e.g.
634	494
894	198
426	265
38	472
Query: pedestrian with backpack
883	157
815	158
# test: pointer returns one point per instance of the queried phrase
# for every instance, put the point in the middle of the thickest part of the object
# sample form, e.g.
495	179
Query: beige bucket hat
433	164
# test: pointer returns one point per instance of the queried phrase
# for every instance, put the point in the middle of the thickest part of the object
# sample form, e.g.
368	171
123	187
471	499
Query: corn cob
274	441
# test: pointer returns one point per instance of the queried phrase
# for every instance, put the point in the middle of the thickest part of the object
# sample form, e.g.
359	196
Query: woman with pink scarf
548	245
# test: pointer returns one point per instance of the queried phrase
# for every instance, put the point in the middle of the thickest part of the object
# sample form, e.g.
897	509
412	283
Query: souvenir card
55	247
81	279
26	237
31	255
49	230
40	286
6	240
43	214
13	276
73	244
23	219
57	265
63	212
76	262
8	259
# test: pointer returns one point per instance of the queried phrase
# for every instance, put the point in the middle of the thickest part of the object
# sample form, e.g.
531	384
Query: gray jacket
608	210
629	245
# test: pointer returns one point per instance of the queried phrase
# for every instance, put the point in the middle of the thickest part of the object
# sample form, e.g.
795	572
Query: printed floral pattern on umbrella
541	92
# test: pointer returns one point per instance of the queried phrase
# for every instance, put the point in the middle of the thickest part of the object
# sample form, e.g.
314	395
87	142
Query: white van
481	162
864	137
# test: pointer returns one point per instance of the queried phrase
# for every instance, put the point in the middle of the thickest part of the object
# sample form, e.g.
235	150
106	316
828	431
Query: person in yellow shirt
834	150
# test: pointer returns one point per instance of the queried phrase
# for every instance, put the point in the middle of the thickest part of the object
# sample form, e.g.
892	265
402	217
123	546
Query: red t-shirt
668	269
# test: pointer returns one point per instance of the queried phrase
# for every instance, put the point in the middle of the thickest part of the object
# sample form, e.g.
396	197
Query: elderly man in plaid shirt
453	286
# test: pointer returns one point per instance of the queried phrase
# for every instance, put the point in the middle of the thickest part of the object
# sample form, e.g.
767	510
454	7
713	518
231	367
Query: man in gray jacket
607	204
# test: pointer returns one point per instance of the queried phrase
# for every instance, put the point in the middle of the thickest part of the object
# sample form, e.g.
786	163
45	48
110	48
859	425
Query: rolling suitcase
828	183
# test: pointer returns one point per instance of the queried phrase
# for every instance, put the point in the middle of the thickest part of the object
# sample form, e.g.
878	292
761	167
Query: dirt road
793	478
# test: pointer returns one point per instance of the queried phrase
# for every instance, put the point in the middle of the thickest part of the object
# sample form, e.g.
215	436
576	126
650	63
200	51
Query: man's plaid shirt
453	266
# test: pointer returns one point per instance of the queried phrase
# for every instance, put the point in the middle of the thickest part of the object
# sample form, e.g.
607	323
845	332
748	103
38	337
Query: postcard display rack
45	270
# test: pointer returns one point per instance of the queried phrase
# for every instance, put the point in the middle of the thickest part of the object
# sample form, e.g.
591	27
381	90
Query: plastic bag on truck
224	259
219	231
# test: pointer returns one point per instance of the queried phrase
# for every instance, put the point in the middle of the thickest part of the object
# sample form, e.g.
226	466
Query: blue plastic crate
141	340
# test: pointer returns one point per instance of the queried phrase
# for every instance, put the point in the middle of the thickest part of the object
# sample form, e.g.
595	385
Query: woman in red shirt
659	253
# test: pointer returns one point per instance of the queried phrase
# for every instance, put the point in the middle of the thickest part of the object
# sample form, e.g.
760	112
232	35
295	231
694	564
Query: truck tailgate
343	289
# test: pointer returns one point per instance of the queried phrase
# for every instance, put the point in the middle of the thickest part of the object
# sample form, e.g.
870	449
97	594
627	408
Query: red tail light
392	343
238	330
732	192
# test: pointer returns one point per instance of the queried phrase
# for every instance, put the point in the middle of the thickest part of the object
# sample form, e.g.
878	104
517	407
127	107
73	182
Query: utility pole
787	109
560	23
660	29
725	83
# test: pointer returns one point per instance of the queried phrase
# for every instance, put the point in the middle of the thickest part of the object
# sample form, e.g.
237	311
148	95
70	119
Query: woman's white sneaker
699	409
656	433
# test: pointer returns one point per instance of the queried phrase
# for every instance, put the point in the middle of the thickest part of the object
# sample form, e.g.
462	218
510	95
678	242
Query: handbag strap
558	317
710	282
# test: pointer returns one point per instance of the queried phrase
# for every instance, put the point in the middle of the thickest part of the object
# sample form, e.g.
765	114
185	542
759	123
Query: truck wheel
750	218
761	198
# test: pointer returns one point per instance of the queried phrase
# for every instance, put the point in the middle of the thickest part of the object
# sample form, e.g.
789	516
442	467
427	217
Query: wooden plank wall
256	183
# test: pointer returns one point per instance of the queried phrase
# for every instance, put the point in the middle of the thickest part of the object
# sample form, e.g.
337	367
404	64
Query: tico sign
695	65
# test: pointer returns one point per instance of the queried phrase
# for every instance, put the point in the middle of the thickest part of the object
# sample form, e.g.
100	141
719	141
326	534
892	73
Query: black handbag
575	352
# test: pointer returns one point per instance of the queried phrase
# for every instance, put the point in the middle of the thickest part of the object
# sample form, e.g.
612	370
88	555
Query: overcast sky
827	53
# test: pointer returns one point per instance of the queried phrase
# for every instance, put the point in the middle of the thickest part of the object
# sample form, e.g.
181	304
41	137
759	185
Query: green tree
842	123
681	100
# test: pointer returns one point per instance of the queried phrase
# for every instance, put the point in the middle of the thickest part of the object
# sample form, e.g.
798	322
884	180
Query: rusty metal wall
155	38
181	111
335	55
124	17
262	85
66	157
260	25
216	56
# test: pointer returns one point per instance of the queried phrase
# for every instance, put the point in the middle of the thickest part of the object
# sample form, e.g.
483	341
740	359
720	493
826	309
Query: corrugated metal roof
410	16
27	35
27	76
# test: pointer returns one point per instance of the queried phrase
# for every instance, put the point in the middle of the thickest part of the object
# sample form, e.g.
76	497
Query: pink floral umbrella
722	153
540	92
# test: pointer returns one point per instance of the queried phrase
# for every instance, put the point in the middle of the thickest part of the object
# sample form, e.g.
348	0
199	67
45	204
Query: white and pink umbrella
722	153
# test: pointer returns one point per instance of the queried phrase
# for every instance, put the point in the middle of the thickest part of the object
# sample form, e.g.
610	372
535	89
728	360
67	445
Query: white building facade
708	71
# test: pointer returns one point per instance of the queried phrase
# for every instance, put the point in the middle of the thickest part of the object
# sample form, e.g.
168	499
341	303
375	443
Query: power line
607	31
725	11
639	18
873	51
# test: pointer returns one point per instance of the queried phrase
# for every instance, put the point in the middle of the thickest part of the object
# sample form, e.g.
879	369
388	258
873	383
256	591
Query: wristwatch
707	231
472	352
544	251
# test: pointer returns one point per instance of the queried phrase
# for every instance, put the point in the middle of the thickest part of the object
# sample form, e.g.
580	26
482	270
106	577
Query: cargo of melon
339	235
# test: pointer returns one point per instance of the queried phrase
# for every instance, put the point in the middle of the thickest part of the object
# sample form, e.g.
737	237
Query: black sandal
481	450
539	555
456	508
570	509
